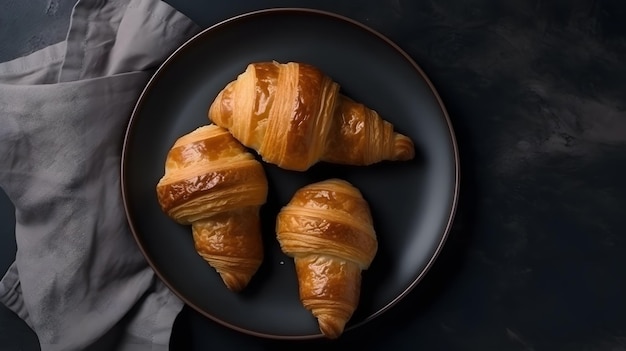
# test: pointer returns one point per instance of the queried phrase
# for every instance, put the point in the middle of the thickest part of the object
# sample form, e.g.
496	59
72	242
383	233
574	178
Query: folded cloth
79	280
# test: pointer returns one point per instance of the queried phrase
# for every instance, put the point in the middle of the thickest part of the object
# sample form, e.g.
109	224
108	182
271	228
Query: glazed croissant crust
213	184
293	115
327	228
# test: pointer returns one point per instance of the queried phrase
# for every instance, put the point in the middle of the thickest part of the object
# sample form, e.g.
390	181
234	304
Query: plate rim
305	10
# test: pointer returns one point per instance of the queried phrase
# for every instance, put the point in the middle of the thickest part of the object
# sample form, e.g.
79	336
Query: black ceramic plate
412	202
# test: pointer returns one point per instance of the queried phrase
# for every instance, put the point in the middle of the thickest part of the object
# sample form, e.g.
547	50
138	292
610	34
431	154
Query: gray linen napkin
79	280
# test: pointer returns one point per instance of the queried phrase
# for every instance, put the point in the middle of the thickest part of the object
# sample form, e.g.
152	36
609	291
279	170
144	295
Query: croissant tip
404	150
331	328
233	282
212	110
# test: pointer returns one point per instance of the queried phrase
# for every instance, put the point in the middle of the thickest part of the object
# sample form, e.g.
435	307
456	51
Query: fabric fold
79	280
40	67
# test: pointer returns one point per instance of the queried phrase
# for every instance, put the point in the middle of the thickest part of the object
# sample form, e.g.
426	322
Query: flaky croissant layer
327	228
293	115
213	184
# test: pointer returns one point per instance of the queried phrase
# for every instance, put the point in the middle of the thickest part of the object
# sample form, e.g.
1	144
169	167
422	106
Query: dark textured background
535	90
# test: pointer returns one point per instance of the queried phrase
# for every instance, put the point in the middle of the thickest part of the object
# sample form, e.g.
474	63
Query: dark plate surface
412	203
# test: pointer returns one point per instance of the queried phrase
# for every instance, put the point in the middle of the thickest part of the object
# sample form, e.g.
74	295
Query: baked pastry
293	115
213	184
327	228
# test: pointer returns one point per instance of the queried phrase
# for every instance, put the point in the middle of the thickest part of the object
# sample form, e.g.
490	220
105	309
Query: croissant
293	115
213	184
327	228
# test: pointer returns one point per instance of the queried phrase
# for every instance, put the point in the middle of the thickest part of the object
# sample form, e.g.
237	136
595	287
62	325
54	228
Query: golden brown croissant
327	228
293	115
214	184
